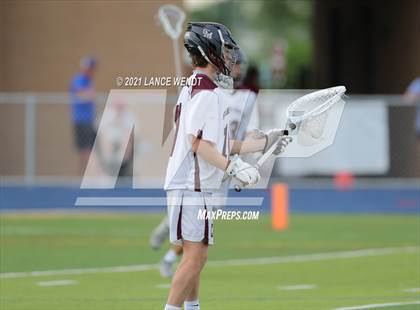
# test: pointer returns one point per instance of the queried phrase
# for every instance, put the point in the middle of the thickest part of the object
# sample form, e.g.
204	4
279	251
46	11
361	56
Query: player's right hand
243	171
277	136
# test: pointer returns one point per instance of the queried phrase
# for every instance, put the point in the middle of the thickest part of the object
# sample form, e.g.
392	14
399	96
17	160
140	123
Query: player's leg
85	138
192	301
188	272
159	234
196	234
168	261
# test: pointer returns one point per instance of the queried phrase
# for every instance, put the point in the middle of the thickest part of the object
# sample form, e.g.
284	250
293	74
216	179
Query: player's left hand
273	136
243	171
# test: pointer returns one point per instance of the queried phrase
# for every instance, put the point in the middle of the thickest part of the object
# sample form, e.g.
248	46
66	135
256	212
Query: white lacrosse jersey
201	111
243	112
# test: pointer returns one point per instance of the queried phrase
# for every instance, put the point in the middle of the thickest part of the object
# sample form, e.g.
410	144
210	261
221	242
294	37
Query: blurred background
55	54
293	45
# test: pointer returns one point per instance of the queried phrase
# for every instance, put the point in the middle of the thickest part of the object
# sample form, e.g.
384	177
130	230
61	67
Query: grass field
296	277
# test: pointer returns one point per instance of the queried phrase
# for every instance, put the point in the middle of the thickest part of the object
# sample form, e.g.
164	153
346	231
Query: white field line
164	285
57	283
223	263
132	268
412	290
297	287
313	257
373	306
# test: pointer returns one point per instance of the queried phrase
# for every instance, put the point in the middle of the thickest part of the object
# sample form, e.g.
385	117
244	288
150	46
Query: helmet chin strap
224	81
203	54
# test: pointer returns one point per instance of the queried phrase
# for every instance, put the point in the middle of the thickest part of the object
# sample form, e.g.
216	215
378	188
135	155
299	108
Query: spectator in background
252	79
82	99
412	95
115	156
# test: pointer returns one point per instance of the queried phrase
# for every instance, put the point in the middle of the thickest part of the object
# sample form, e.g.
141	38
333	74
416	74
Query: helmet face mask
239	69
215	44
229	57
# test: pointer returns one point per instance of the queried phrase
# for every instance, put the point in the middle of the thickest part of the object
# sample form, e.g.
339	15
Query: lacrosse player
243	114
201	156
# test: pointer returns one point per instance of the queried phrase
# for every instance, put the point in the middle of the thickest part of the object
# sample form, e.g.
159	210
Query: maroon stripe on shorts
179	224
206	227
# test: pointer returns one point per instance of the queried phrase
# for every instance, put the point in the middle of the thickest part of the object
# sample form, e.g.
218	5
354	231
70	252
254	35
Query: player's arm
247	146
202	128
202	118
235	167
262	142
208	151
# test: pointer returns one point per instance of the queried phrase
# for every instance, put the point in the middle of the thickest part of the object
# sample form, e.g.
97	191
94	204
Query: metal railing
31	99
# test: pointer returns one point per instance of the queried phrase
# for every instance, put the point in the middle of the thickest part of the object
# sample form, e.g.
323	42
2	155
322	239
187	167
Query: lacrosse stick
262	160
172	18
308	115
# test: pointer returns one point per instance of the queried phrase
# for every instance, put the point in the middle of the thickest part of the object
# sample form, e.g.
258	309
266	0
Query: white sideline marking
390	304
164	285
412	290
57	283
312	257
297	287
222	263
131	268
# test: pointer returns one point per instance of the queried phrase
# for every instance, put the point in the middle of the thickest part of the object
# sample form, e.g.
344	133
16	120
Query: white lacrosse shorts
185	222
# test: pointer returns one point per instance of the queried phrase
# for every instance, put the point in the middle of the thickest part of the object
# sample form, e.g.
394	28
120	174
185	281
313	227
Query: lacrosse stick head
308	115
171	18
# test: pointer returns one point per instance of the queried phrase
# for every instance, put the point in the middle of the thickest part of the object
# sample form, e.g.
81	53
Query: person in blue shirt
82	100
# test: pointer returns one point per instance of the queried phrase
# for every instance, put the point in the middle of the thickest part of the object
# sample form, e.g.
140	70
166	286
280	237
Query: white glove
272	136
255	134
243	171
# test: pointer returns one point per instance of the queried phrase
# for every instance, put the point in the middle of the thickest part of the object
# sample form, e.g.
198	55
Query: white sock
170	307
170	256
192	305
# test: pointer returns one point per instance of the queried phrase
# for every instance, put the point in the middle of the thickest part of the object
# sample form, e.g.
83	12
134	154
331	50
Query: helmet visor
230	56
229	53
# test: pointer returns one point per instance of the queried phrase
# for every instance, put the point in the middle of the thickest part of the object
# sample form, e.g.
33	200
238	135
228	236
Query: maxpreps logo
207	34
104	166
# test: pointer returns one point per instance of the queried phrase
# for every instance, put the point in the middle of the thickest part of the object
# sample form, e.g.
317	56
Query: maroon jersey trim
205	83
177	117
197	185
